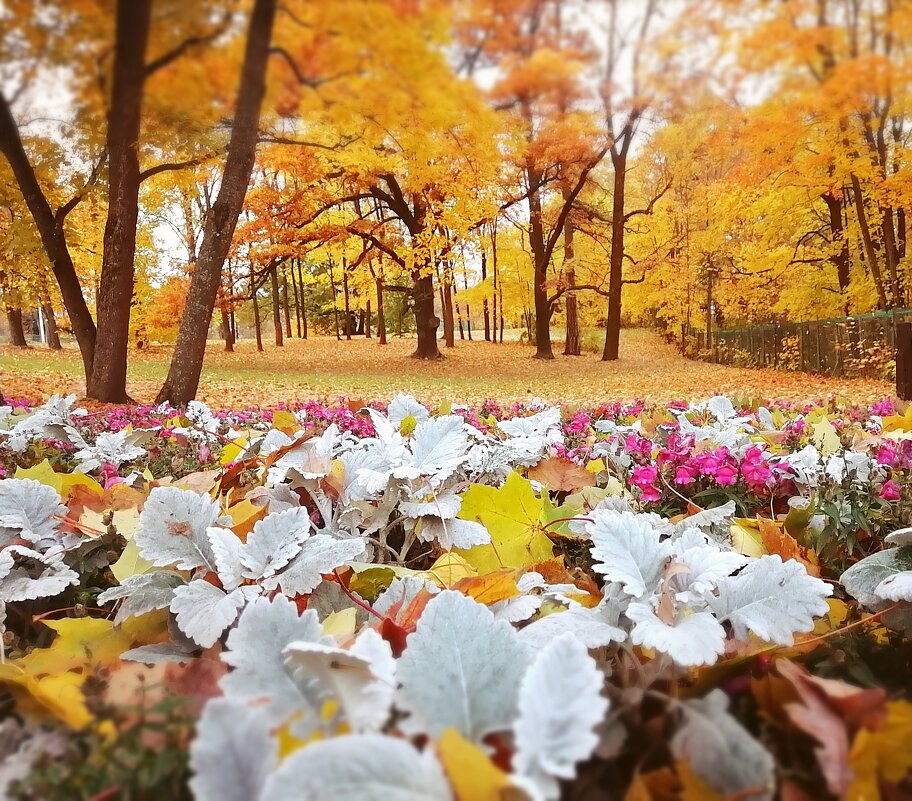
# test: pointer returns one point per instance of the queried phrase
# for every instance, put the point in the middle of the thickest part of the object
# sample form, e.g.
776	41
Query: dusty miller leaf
461	668
359	767
560	704
627	549
232	754
172	528
771	598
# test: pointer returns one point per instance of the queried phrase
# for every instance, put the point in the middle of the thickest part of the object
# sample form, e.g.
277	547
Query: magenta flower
890	491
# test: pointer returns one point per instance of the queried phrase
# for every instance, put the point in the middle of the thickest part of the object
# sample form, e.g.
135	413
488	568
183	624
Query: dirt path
474	371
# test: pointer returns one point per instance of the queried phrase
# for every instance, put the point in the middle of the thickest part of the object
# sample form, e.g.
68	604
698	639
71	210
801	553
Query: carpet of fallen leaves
323	368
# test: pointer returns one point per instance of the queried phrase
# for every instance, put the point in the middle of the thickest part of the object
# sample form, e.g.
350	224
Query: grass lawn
323	368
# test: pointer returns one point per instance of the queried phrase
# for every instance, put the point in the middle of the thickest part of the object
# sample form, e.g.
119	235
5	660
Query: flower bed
388	602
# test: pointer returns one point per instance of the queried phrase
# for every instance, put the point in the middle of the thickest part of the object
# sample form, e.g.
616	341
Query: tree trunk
616	259
303	301
16	331
571	331
891	255
187	363
348	318
109	369
227	333
276	306
868	242
426	321
543	348
297	299
449	326
367	321
839	260
50	325
381	314
459	319
485	311
285	304
332	286
257	322
50	228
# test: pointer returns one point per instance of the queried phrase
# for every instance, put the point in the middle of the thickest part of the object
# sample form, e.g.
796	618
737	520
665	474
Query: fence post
904	360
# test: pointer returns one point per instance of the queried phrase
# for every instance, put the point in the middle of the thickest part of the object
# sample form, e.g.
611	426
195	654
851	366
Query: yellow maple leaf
470	771
881	755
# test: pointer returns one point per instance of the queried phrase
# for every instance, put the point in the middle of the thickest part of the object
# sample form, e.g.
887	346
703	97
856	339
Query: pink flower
644	477
727	475
890	491
685	474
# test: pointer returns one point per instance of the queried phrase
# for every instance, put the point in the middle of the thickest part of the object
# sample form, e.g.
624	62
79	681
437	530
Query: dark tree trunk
381	315
297	299
543	348
227	333
50	325
285	304
868	242
332	285
348	317
50	228
459	319
257	322
840	259
449	326
426	320
16	330
187	363
367	321
109	369
276	306
616	260
303	301
485	311
572	331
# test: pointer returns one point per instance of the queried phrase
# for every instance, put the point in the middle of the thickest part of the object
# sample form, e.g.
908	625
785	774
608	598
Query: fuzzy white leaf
897	587
439	446
226	550
901	536
560	703
445	505
27	511
627	549
708	518
691	640
594	628
255	650
400	593
403	406
461	668
232	754
172	528
771	598
453	533
863	578
274	542
516	610
158	653
203	611
319	554
359	767
361	679
707	566
142	593
721	751
30	574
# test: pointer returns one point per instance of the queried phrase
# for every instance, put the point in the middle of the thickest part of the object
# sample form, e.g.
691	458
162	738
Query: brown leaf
561	475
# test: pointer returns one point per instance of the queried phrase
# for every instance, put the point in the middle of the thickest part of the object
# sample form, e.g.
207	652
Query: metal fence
863	345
